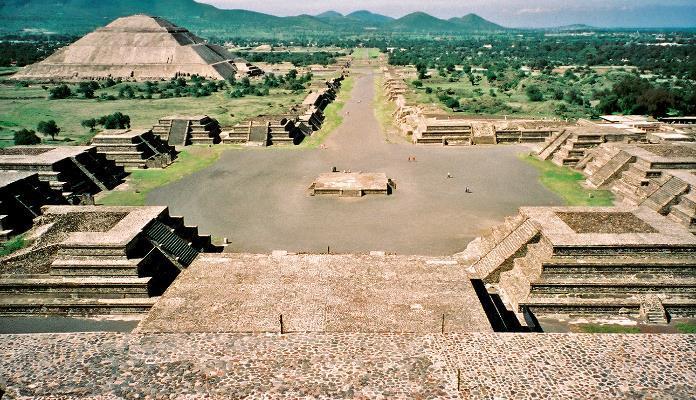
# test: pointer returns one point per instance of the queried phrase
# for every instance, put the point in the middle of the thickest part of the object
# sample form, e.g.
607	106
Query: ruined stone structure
138	47
72	171
97	260
21	196
286	129
134	148
571	146
589	261
182	130
351	184
428	125
243	67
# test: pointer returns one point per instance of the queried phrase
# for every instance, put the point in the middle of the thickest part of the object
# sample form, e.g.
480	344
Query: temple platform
352	184
319	293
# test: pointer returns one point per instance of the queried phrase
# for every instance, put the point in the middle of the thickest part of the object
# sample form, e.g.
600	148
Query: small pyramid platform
137	47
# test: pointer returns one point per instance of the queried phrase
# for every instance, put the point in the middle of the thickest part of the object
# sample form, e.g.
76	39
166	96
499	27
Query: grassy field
14	244
364	53
22	107
565	182
686	327
489	98
334	119
595	328
142	181
384	111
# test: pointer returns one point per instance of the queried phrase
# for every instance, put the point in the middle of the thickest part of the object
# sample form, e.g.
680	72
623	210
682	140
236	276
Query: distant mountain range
81	16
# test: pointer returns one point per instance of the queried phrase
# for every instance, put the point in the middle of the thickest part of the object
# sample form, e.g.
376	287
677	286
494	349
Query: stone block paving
318	293
348	365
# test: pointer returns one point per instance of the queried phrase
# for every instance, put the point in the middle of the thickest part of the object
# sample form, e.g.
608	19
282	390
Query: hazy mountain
421	22
330	15
369	17
81	16
473	22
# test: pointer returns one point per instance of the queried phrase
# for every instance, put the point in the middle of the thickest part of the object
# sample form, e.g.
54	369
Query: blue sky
512	13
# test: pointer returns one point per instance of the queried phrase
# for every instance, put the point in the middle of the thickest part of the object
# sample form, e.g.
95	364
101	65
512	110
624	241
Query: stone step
666	195
554	143
615	265
684	215
75	287
506	248
596	287
95	267
610	170
43	306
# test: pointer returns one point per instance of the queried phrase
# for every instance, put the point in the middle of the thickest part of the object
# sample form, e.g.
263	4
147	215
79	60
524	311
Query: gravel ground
258	198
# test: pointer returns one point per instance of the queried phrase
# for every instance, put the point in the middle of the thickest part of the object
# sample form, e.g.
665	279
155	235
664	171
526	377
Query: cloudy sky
511	13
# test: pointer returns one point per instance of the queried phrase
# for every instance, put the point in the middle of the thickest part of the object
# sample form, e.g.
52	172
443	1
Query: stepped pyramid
136	47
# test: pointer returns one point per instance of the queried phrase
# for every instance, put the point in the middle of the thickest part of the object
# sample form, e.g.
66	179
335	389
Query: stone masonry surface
349	365
319	293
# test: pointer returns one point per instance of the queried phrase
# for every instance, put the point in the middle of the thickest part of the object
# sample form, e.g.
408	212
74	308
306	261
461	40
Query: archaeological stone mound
138	47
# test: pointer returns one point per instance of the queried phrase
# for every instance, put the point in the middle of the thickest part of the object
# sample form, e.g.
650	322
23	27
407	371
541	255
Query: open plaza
327	248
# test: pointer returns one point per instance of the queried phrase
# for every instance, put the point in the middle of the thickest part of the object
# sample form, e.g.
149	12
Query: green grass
333	119
384	109
142	181
565	182
25	107
14	244
594	328
686	327
365	53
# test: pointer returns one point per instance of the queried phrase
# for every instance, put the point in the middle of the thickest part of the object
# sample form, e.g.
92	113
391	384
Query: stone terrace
590	260
349	366
355	184
319	293
70	170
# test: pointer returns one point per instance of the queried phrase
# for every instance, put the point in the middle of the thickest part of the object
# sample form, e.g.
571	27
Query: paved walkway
258	197
349	366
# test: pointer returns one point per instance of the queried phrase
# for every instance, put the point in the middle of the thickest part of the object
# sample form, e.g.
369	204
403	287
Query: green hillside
81	16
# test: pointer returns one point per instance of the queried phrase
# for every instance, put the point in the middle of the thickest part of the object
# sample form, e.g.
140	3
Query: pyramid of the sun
137	47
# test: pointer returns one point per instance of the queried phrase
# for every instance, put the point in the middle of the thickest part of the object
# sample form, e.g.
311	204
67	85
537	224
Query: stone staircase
166	239
552	144
447	134
506	249
523	135
607	165
610	284
684	212
120	268
667	195
575	148
238	134
134	148
184	130
178	133
652	309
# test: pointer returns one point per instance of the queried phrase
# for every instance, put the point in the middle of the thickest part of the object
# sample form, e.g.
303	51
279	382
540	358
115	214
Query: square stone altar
351	184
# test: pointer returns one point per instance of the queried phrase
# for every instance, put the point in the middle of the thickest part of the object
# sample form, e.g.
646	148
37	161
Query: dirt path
257	197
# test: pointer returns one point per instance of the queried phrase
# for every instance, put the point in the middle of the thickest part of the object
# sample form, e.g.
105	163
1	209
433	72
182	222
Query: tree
59	92
48	128
116	120
89	123
534	93
86	89
26	137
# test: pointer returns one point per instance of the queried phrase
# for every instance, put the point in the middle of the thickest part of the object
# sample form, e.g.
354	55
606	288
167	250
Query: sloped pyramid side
138	47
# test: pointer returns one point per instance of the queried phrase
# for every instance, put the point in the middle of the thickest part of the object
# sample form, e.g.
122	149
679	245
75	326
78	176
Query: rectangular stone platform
351	184
90	259
595	261
349	365
319	293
